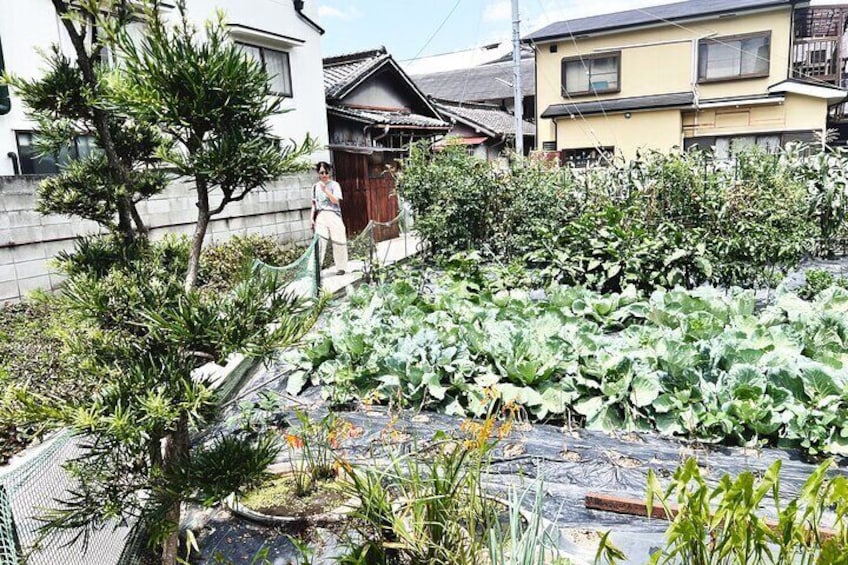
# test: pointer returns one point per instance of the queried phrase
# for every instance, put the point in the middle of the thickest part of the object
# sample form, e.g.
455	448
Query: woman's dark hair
324	165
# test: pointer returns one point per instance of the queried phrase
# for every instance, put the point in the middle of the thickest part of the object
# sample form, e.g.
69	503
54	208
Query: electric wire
586	69
438	29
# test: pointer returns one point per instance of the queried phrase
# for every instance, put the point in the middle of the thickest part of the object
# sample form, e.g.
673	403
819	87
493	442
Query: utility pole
518	109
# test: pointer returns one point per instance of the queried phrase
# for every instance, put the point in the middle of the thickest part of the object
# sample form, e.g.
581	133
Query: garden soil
571	463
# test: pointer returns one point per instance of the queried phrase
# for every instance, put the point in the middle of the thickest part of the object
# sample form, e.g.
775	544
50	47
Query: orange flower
294	441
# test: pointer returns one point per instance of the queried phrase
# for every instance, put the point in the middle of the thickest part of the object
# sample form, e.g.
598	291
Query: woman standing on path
327	217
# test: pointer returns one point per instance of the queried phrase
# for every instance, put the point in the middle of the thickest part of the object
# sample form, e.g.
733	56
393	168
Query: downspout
5	101
298	7
386	130
696	94
16	166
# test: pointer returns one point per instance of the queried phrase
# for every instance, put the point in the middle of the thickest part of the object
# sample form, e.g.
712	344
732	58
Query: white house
284	34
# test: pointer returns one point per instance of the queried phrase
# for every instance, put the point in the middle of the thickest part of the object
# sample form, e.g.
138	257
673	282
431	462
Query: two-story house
711	73
283	35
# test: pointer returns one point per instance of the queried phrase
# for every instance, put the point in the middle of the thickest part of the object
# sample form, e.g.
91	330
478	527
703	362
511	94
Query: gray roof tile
649	15
343	70
385	118
478	83
487	117
620	105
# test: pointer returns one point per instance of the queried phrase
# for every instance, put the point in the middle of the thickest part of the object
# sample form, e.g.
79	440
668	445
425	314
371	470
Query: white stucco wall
29	25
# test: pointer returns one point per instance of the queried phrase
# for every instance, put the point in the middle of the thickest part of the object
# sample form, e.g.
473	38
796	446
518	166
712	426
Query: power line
468	70
590	133
438	29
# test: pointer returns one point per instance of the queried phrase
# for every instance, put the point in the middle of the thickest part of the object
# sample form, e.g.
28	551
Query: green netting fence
378	245
33	486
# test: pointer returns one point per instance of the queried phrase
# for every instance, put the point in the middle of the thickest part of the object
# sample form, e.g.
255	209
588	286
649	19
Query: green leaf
818	384
434	386
589	407
296	381
645	388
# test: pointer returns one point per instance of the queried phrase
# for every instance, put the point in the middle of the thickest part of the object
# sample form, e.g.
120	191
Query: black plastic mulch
570	462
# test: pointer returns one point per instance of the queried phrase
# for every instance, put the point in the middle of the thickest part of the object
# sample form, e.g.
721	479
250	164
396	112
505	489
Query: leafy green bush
697	363
825	177
44	345
656	221
818	280
226	262
147	336
608	251
452	195
33	356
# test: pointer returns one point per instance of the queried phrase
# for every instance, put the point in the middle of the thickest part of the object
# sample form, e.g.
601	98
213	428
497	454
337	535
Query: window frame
73	153
725	39
565	93
262	49
595	155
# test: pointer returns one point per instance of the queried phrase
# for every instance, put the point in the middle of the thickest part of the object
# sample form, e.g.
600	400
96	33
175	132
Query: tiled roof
620	105
692	9
486	82
343	70
487	117
385	118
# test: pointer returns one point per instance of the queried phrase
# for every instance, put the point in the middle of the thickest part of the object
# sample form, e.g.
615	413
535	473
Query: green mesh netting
34	486
300	277
378	244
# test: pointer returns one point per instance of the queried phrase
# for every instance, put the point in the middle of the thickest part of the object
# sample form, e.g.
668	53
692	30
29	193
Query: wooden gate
351	173
365	197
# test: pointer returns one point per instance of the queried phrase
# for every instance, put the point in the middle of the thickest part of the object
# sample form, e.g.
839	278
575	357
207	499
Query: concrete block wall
30	240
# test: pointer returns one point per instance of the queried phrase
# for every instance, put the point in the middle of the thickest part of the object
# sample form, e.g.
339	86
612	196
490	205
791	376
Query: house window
738	57
726	147
591	74
32	163
276	64
5	101
587	156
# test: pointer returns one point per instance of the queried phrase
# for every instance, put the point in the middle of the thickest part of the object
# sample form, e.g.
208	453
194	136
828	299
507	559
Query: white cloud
325	11
498	11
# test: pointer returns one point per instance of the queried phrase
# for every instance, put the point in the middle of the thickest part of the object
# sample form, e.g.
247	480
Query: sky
416	28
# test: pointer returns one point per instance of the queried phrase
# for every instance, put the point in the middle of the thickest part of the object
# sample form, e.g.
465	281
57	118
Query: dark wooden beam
638	507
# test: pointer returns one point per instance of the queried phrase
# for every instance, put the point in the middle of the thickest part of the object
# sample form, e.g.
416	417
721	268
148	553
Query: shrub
32	355
225	262
817	280
656	221
452	196
609	251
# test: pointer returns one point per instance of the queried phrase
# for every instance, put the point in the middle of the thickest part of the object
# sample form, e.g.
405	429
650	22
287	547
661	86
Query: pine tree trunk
139	223
101	123
200	227
176	453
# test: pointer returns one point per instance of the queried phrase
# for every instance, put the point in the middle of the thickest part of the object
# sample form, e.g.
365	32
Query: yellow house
712	73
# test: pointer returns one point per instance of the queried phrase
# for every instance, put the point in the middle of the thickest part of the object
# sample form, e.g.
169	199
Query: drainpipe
382	135
298	7
5	101
373	139
696	95
16	166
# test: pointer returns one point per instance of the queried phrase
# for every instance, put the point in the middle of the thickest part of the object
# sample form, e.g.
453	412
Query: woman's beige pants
329	227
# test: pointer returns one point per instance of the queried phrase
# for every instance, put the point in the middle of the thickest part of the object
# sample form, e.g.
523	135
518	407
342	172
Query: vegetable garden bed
699	364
